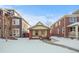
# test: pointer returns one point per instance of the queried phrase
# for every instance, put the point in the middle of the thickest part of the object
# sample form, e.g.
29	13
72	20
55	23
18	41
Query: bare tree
48	23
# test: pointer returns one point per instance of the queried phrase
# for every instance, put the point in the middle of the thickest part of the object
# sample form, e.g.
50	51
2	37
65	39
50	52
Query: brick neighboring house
39	31
11	23
67	26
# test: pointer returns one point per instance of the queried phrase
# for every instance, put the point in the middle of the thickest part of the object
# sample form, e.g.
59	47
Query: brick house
66	26
39	31
11	23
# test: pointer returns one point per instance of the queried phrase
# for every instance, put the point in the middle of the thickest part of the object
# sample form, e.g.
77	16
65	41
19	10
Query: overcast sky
43	13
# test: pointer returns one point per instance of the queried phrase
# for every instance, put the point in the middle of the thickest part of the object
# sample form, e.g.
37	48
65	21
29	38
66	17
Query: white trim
74	24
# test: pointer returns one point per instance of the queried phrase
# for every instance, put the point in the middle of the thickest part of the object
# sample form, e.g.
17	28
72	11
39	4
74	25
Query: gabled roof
39	24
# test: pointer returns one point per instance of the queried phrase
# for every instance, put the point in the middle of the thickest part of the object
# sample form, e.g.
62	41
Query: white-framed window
15	21
16	32
73	19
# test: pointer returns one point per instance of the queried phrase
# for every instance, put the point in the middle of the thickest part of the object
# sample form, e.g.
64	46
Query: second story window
73	19
15	21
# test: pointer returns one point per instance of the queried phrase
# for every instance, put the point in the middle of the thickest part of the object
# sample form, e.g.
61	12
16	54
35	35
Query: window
73	19
16	32
62	30
72	29
15	21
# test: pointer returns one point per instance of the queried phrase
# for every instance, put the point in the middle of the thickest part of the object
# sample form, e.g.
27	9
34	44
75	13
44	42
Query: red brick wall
30	34
55	29
64	23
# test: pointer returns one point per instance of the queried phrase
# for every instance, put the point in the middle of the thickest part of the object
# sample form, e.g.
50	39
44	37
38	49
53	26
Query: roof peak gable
39	23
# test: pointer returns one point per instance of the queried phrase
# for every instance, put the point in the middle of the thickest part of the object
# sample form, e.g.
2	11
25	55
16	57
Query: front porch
73	30
73	34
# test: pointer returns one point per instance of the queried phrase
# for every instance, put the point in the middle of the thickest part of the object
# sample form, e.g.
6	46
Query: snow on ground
67	41
23	45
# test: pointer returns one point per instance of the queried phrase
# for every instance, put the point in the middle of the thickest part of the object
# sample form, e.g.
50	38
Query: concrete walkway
60	45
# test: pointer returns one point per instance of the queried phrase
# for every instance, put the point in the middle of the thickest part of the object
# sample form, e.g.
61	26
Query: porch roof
74	24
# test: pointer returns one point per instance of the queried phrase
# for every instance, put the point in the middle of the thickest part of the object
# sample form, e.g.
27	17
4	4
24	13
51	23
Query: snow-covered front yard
24	45
67	41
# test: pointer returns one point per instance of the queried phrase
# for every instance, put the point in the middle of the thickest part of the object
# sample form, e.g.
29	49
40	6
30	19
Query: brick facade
61	29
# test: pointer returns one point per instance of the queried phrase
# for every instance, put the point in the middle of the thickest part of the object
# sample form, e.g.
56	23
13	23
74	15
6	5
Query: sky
47	14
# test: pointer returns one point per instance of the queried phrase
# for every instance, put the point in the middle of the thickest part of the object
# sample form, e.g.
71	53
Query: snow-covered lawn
23	45
67	41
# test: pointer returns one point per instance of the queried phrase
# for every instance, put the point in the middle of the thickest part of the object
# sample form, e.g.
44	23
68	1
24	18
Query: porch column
76	31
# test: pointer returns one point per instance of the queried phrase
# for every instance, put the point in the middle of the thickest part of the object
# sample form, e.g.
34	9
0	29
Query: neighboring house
39	31
14	23
67	26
